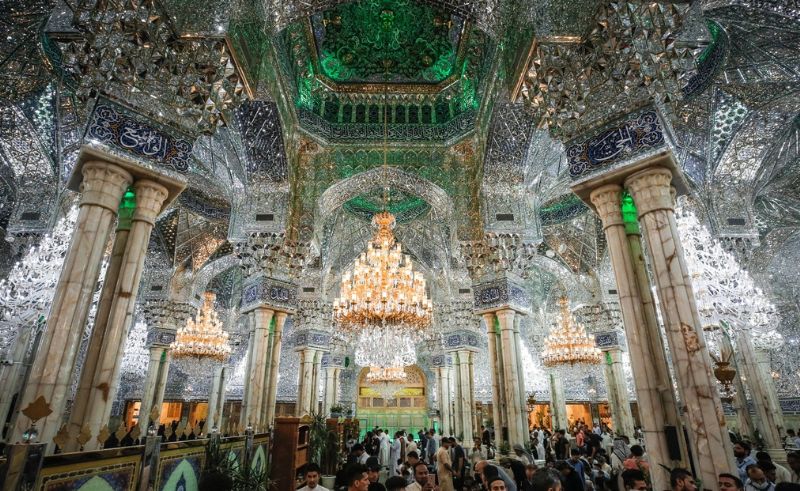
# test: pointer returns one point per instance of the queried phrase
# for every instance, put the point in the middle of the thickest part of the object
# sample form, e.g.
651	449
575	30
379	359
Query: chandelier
568	343
387	381
384	347
203	339
382	291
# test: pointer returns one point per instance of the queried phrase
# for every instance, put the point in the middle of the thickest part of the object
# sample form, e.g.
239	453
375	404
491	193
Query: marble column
523	396
495	367
451	383
251	339
516	430
216	400
12	376
305	379
83	394
274	362
739	402
558	402
331	389
654	393
102	188
456	384
157	370
315	382
150	197
467	400
769	417
652	193
443	381
262	317
618	399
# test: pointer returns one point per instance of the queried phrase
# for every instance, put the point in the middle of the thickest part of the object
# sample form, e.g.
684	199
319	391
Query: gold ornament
382	290
567	343
203	338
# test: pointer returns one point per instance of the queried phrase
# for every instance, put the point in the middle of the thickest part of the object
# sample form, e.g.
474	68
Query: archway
407	411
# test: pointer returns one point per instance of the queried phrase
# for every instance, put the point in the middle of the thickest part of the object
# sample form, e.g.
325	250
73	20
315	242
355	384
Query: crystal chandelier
384	347
387	381
567	343
382	291
203	338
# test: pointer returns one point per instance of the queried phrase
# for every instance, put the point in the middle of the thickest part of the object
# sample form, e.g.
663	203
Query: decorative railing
154	465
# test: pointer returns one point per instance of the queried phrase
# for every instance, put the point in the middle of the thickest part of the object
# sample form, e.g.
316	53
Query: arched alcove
407	411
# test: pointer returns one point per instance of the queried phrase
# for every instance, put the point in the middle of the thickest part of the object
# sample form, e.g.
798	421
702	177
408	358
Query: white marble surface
618	400
102	188
256	384
517	433
701	407
648	362
497	392
150	197
274	361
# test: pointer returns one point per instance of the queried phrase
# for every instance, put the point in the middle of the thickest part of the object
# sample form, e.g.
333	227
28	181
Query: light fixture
384	348
203	339
567	343
387	381
382	291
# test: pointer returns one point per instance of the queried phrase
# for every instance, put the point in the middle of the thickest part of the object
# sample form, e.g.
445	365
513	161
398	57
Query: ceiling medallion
567	342
382	290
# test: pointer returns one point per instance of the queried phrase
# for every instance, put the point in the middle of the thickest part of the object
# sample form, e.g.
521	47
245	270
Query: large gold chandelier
382	291
567	343
203	338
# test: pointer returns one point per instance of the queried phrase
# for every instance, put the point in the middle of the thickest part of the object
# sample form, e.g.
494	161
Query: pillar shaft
251	339
444	399
158	358
739	401
216	399
523	399
769	417
456	378
274	362
262	317
618	399
330	390
648	361
85	384
102	187
516	431
701	405
315	382
558	403
150	196
498	408
306	377
466	404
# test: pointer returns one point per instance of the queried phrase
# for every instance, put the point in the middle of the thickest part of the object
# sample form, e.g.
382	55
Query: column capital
506	315
651	190
150	197
608	202
103	184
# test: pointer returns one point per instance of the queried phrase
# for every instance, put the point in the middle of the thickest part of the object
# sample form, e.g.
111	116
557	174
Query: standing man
561	445
741	450
459	463
432	446
312	479
444	466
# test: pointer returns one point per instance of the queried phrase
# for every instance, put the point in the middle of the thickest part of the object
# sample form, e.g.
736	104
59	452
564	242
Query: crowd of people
581	459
